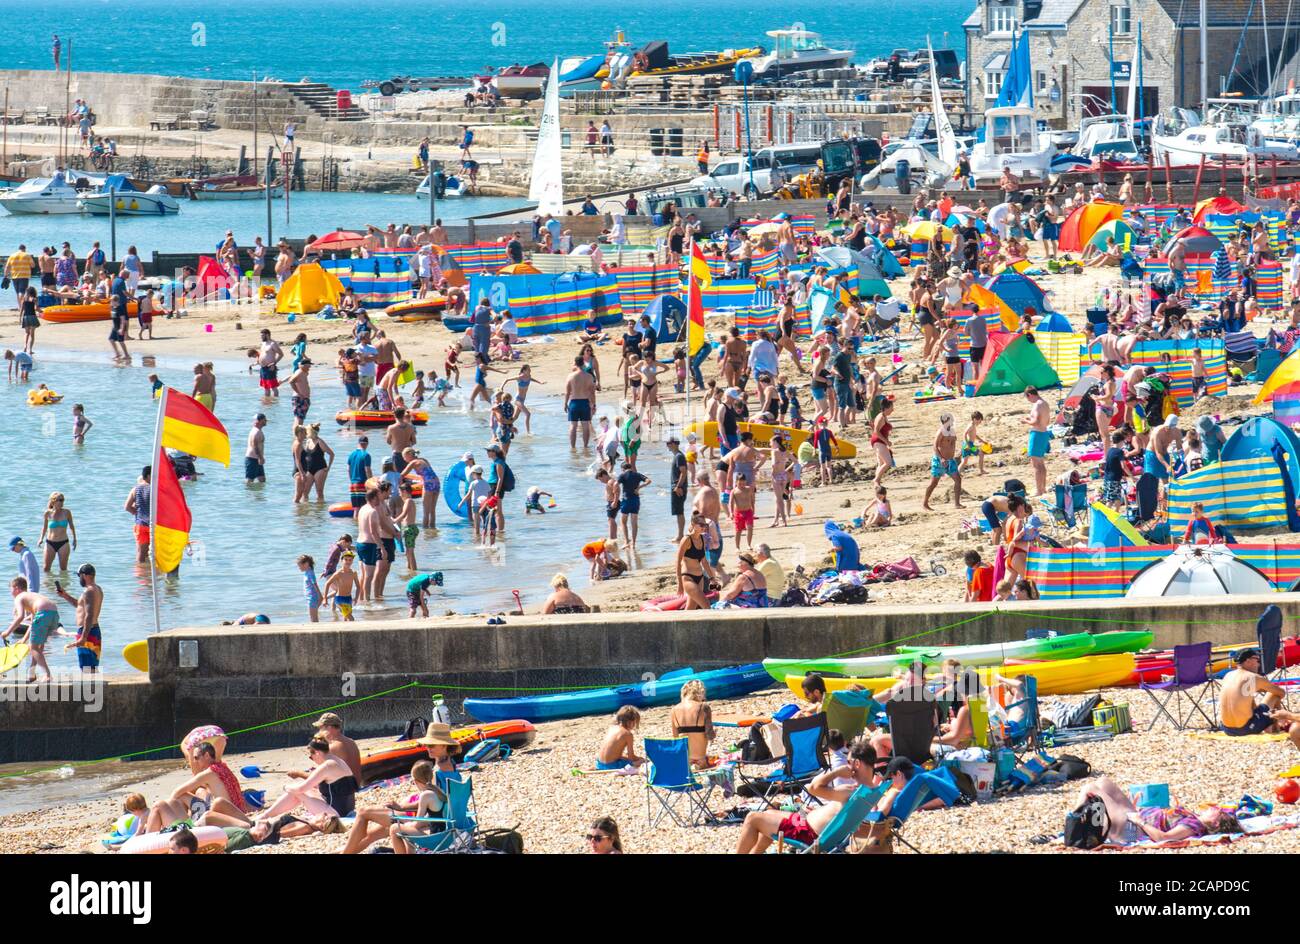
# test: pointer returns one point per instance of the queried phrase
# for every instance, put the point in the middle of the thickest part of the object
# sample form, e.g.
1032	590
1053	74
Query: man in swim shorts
1040	438
1240	714
255	453
42	617
268	361
579	397
300	386
944	462
205	386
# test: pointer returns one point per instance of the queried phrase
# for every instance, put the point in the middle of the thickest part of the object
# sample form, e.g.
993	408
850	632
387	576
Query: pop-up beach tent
1199	571
667	314
308	290
1083	222
1011	363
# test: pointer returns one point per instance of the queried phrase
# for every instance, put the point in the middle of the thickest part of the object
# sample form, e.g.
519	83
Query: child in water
533	502
417	394
405	521
342	584
156	386
310	589
20	366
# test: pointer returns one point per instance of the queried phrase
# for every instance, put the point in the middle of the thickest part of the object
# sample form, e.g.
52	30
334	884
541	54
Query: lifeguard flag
699	266
171	516
694	317
189	426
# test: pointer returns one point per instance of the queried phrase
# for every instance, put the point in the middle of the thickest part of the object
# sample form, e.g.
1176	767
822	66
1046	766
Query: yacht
797	50
1011	140
1279	120
117	196
1183	139
1106	137
49	194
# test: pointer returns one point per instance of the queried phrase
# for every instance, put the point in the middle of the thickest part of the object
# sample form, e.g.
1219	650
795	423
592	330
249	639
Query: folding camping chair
460	823
1066	511
805	757
849	712
671	781
1268	633
1021	734
913	726
1191	681
923	787
853	813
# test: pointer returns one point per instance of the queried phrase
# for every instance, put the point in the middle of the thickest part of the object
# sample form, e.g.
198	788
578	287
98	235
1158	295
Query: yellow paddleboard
708	433
137	655
11	656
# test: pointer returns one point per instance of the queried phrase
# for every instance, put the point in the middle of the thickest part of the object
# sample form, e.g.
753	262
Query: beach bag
507	841
507	478
906	569
1071	767
754	750
794	596
1086	825
878	841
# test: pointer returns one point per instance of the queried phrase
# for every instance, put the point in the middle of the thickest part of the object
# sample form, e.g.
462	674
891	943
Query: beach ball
127	825
291	318
1287	791
798	509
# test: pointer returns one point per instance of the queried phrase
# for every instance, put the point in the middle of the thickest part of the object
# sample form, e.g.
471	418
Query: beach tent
1286	404
1269	439
1055	322
667	314
519	268
1074	397
1199	241
1248	494
1217	205
1108	528
1199	571
870	277
1060	345
1011	363
1083	222
210	278
1117	230
309	289
882	257
1285	373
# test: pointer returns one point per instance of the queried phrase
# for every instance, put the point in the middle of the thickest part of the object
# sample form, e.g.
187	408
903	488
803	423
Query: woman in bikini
649	370
785	342
301	478
1104	402
56	531
782	463
692	718
694	572
1013	530
524	380
880	430
317	460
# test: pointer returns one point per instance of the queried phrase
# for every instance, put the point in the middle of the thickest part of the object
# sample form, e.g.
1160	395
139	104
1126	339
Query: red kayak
1152	667
396	759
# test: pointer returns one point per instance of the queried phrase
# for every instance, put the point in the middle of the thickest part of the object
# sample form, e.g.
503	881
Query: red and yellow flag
192	428
694	317
699	265
171	516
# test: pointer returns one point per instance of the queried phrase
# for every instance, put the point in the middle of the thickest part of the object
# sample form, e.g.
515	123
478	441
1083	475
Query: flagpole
153	508
690	355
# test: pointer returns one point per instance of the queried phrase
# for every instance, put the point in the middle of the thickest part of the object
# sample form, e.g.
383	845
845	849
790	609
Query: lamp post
744	73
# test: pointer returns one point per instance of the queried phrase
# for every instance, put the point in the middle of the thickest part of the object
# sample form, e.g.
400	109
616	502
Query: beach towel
1242	738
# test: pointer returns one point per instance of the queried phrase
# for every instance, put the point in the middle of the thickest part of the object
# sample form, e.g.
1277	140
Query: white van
732	174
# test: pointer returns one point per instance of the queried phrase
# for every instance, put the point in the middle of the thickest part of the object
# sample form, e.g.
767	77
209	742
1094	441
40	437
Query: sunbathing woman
328	789
749	588
1129	824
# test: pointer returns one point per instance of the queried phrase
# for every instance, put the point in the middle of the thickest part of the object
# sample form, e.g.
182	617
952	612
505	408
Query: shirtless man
1177	255
43	618
734	353
708	503
944	462
579	399
330	727
88	607
1156	458
370	535
743	460
1240	714
268	361
300	386
386	356
255	454
205	387
400	436
1040	440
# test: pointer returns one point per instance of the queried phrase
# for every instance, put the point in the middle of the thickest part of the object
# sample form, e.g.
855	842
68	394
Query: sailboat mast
1205	77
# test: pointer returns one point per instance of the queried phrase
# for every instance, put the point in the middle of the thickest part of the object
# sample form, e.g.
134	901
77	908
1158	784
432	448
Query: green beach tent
1011	363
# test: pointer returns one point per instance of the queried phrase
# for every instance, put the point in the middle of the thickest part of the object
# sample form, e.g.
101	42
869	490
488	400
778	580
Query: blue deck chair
461	819
682	796
1021	735
923	787
1268	634
1078	503
1191	682
853	813
805	757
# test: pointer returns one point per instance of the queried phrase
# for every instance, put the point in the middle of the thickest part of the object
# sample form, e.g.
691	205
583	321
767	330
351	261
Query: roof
1055	13
996	62
1222	13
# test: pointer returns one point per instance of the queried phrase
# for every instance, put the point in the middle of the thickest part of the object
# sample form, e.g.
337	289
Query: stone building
1070	49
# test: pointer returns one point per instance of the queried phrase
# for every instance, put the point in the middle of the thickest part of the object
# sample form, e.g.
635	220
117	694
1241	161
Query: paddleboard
136	655
12	656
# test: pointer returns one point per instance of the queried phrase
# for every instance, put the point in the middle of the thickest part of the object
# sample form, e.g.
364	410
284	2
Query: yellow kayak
708	433
1063	677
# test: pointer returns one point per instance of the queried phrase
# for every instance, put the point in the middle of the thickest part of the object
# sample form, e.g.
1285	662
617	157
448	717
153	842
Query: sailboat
546	185
1010	137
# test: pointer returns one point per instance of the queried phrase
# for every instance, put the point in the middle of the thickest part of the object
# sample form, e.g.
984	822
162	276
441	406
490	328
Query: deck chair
459	825
1268	633
923	787
682	796
1067	511
1191	682
1022	734
853	813
849	712
913	726
805	757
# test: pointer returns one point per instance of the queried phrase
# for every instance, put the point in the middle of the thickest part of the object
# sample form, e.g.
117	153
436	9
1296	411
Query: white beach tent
1206	570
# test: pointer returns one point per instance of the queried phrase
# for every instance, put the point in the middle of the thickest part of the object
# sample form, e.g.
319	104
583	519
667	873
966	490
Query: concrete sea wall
250	676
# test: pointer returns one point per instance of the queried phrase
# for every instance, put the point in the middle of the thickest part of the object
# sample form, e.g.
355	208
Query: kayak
377	417
77	314
396	759
1057	647
708	433
730	682
1152	667
1064	677
428	308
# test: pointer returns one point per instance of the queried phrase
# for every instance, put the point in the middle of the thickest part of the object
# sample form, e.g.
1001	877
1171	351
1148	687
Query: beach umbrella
339	240
1198	571
1284	375
1219	206
1118	230
923	231
1198	241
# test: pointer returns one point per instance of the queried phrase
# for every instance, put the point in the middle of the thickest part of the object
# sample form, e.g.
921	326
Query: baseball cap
13	543
1244	655
329	719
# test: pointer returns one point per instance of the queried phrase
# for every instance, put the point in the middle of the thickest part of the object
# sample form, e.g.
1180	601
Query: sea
346	43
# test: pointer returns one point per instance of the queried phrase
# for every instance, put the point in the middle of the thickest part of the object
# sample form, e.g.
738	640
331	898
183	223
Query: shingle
1223	13
1056	12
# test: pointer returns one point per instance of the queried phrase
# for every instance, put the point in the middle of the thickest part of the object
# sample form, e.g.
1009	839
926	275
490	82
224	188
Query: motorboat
1106	137
231	191
1279	119
1011	142
453	187
521	82
1182	139
654	61
49	195
797	50
118	197
609	69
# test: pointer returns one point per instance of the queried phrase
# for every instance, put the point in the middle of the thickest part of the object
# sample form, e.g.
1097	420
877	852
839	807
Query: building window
993	83
1121	19
1002	19
1042	81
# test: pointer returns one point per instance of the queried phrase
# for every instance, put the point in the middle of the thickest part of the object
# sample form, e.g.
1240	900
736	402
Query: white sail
1133	91
943	132
547	183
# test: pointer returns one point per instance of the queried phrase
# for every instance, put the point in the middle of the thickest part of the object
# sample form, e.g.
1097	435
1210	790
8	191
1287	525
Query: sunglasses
596	837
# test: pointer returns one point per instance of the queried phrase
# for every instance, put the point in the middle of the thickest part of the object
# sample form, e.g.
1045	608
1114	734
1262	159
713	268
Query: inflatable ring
454	487
343	510
210	839
42	397
416	483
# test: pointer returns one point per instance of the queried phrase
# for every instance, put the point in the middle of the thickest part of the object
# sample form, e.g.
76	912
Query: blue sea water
344	43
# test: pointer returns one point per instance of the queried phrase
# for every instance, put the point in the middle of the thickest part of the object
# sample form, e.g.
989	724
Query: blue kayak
730	682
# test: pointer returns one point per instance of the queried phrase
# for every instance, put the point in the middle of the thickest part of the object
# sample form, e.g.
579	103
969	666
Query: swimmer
342	585
533	501
249	619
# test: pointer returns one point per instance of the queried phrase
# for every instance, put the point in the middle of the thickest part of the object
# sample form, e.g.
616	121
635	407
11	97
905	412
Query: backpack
1071	767
97	257
795	596
507	478
755	749
507	841
1086	825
